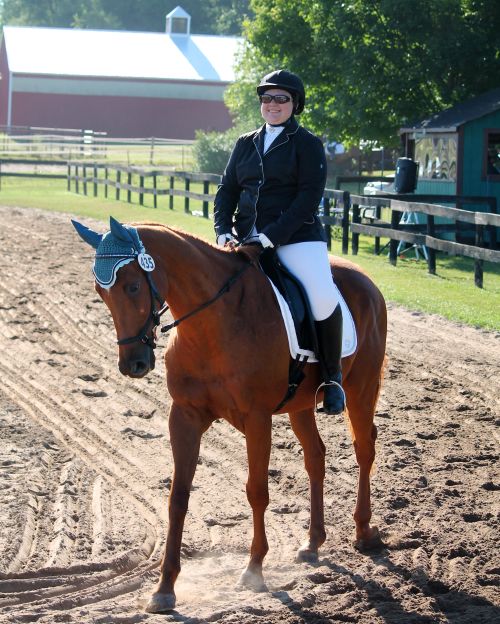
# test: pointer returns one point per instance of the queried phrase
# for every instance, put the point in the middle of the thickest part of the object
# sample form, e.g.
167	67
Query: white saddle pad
349	339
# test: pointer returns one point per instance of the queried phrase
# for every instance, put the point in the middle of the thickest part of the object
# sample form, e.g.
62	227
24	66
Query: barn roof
451	118
120	54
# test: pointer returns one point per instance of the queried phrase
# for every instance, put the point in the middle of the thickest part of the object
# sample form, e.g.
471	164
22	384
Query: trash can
405	180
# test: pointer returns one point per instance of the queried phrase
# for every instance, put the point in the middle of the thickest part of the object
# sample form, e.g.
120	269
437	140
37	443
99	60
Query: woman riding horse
269	195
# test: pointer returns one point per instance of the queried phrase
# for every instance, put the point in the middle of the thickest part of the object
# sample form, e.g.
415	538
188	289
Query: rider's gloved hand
264	241
224	240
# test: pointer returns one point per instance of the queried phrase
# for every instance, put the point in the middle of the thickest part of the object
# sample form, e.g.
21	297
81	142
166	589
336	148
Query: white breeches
309	263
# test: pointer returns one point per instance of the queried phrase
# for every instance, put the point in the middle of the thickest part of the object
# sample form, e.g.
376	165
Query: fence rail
352	214
72	144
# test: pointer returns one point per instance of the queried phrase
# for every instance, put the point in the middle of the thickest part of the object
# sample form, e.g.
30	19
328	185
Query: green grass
451	293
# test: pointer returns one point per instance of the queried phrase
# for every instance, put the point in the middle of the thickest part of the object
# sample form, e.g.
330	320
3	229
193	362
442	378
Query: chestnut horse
230	359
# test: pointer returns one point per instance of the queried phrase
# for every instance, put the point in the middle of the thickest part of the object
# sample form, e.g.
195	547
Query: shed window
492	155
436	155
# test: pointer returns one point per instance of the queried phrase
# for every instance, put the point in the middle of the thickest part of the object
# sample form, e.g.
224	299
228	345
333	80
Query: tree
210	16
371	67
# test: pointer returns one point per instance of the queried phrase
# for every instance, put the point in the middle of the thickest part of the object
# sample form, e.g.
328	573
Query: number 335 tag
146	262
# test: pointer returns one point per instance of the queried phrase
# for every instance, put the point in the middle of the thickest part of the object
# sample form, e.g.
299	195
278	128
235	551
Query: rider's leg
309	262
330	341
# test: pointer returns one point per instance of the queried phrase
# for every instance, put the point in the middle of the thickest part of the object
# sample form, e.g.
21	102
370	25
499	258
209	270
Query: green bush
211	150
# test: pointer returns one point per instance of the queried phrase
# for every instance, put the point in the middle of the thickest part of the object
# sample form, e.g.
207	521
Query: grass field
451	293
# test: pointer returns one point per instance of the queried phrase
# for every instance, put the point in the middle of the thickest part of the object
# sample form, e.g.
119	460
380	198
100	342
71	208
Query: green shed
458	149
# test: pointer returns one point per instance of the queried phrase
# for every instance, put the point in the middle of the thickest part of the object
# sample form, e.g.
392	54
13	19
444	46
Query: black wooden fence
353	214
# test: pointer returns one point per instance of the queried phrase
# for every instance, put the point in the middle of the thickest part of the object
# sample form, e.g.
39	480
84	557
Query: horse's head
123	276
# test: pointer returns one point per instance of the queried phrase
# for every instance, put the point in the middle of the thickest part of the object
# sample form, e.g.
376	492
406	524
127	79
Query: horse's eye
133	288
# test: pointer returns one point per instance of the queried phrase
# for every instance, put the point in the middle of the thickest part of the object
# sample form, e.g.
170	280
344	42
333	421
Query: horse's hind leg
361	404
304	427
258	441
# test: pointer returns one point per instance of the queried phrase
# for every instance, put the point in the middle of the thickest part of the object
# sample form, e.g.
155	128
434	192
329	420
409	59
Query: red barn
128	84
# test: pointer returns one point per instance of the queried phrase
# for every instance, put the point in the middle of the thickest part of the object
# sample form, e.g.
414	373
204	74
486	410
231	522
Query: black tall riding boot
330	344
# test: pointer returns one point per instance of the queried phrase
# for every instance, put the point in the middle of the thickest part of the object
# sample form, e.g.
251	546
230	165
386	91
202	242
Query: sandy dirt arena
85	470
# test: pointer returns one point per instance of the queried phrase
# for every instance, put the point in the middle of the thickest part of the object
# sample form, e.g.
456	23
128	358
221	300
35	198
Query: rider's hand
264	241
226	240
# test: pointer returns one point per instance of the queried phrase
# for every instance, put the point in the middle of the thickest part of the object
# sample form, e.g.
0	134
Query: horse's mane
180	232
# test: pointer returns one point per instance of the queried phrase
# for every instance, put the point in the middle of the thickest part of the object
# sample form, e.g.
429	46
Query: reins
155	315
234	278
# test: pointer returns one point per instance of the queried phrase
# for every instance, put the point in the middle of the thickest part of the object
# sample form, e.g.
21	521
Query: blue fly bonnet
114	249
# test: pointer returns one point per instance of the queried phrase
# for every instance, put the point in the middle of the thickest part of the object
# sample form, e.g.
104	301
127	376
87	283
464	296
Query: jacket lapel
258	139
290	128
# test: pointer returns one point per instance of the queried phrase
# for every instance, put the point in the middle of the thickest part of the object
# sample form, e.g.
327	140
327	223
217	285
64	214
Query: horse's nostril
139	367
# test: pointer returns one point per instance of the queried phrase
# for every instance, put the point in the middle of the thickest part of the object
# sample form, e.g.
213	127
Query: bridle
153	319
155	314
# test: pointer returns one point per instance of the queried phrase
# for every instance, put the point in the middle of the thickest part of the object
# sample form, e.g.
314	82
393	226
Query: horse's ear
88	235
119	231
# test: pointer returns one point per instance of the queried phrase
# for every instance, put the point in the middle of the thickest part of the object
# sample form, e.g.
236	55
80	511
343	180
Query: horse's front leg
304	427
186	429
258	440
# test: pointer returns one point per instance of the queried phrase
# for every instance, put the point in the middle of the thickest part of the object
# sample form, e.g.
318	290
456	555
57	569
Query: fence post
171	199
355	235
77	185
106	182
129	184
431	252
118	182
95	180
69	176
478	264
393	243
155	203
378	212
186	199
327	227
206	190
84	179
152	151
345	222
141	192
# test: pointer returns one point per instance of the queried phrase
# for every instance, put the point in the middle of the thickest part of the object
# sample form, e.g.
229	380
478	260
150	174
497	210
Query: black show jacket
279	192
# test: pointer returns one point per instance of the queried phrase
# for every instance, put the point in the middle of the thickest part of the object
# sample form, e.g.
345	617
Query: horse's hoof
306	555
371	541
159	603
252	581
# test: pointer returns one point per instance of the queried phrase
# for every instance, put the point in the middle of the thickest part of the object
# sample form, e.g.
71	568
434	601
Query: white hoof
306	555
252	581
159	603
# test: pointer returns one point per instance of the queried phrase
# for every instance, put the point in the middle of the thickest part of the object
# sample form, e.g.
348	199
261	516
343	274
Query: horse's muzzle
137	365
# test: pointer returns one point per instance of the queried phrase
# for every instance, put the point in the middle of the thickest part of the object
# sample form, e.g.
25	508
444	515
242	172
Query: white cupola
178	22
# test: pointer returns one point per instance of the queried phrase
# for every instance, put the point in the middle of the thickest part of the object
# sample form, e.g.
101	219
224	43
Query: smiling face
274	113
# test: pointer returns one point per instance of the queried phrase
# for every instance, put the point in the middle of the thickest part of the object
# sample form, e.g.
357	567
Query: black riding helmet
283	79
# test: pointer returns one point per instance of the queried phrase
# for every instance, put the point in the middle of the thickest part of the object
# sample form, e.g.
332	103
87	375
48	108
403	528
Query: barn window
179	26
491	159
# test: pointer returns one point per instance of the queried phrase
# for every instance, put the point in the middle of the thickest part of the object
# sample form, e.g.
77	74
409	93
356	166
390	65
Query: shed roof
451	118
120	54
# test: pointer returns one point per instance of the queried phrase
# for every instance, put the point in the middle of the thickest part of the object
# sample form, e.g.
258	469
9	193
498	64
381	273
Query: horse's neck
194	270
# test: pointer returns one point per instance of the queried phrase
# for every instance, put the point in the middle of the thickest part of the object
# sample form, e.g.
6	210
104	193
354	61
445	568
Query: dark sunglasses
279	99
